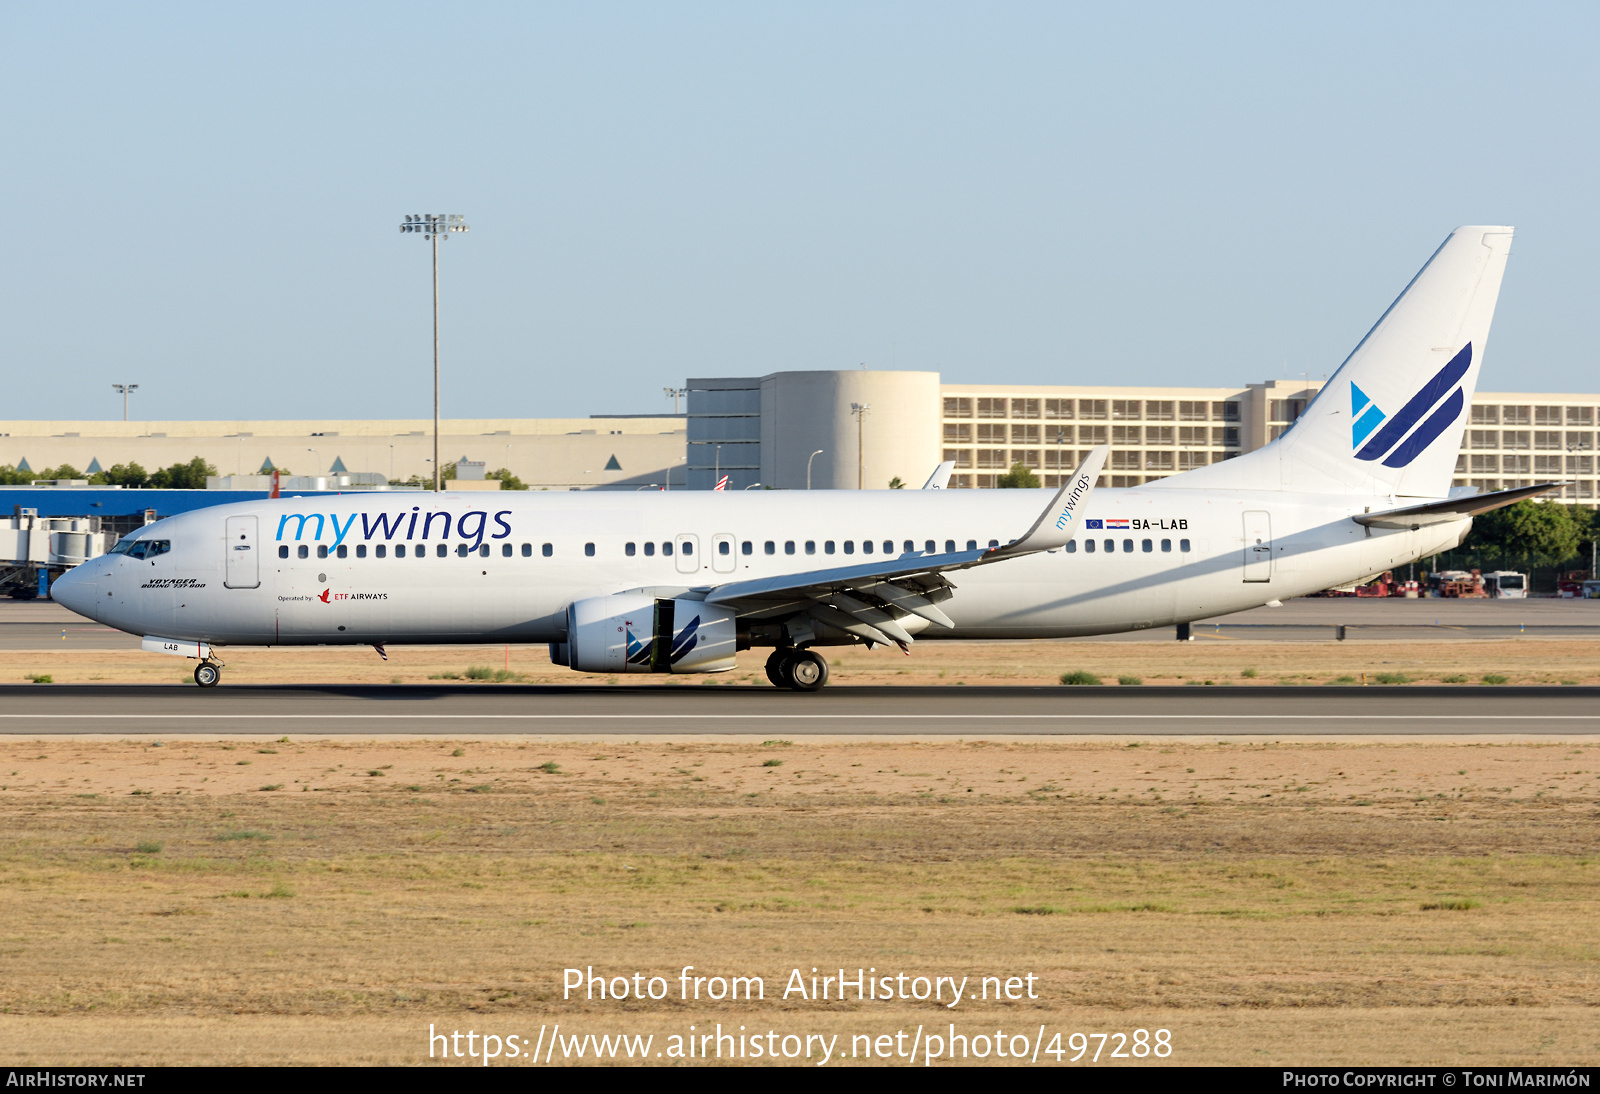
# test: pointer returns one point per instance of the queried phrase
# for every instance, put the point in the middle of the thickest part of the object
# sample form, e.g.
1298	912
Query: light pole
860	410
675	393
435	226
125	389
809	458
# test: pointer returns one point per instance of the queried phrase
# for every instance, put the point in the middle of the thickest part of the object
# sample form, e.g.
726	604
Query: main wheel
206	674
777	667
808	671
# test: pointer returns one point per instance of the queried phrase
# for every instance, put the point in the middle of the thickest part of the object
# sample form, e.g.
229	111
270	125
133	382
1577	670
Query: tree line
180	476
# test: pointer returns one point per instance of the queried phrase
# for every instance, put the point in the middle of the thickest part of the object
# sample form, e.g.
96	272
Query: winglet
1058	522
941	476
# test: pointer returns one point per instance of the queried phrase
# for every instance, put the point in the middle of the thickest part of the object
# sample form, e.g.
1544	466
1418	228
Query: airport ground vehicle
678	583
1506	584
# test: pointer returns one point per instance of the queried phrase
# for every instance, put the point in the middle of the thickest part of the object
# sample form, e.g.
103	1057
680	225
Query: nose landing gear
208	673
797	669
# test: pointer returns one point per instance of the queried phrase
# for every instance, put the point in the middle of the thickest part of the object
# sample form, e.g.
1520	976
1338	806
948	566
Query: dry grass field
1217	660
247	900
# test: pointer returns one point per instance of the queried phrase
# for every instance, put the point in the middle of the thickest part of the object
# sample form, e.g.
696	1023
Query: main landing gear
208	673
797	669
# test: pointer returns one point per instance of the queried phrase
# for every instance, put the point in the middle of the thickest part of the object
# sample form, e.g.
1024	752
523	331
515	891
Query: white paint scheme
1273	524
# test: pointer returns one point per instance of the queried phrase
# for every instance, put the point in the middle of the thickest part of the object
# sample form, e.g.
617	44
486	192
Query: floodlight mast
435	226
124	389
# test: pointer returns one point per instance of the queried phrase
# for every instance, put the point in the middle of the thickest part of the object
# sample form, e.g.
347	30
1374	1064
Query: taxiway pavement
642	710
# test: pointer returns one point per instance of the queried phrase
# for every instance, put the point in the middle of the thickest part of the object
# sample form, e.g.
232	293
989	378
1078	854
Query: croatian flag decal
1117	522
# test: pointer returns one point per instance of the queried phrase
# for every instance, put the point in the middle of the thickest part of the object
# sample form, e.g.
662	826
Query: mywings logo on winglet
1393	438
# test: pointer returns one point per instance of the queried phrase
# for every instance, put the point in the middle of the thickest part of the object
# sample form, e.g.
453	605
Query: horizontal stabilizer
1442	512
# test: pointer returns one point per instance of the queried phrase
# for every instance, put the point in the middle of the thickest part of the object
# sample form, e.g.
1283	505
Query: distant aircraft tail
1389	421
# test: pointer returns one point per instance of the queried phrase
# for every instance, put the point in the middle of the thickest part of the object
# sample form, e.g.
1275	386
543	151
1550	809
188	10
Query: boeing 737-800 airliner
679	582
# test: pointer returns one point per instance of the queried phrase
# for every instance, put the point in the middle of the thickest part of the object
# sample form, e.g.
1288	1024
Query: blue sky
205	198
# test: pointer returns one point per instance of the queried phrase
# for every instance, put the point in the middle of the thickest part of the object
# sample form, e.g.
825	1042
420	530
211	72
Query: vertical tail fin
1389	421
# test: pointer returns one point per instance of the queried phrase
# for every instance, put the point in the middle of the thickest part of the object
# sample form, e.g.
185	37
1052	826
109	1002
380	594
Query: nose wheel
207	674
797	669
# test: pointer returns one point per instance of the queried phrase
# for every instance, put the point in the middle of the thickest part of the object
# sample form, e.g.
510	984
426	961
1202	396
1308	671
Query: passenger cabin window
1183	545
505	550
649	549
723	547
629	549
687	548
1147	546
461	550
399	550
666	548
949	546
888	546
483	550
972	545
588	550
1111	546
849	546
811	546
1127	546
993	543
1166	545
771	548
380	550
1072	546
302	552
527	550
322	550
866	547
283	550
547	550
747	548
441	549
931	547
827	547
1088	545
342	551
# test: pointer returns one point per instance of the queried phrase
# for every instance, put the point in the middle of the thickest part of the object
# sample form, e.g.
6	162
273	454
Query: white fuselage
512	563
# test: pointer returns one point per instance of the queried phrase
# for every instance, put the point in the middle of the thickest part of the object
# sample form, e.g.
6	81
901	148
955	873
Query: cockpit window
144	548
121	547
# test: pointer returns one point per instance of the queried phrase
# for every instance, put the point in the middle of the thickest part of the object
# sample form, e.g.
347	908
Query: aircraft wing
868	599
1441	512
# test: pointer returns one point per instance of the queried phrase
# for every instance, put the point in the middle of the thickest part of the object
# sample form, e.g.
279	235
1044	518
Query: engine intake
637	633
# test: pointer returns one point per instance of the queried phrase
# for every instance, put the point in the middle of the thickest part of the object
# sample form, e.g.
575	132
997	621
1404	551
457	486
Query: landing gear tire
807	671
207	675
777	667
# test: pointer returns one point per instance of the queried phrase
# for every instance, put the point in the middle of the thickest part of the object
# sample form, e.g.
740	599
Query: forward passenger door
241	569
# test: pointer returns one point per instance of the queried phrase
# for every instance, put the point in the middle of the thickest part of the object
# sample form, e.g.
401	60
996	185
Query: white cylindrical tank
804	411
69	548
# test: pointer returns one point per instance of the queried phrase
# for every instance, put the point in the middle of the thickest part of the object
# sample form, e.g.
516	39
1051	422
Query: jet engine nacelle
632	632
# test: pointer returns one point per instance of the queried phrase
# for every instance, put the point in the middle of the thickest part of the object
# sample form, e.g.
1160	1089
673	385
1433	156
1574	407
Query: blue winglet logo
1393	438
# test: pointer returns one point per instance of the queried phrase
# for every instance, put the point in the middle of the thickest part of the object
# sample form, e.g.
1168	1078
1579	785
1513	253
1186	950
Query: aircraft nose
75	590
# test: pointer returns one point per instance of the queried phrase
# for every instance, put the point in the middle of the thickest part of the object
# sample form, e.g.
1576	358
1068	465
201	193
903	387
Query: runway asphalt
36	625
1228	712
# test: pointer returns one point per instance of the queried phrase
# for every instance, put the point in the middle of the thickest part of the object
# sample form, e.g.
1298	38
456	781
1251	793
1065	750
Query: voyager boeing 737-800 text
679	582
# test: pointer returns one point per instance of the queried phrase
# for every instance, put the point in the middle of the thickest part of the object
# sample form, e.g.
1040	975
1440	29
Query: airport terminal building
826	429
767	429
